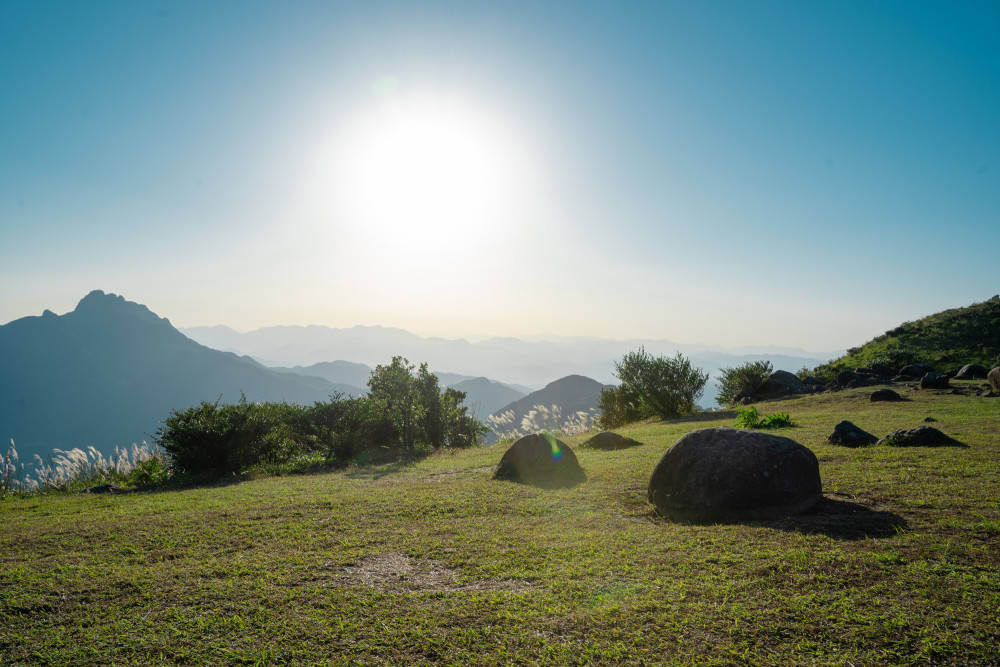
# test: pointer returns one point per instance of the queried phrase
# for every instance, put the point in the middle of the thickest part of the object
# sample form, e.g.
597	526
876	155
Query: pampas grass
540	419
72	468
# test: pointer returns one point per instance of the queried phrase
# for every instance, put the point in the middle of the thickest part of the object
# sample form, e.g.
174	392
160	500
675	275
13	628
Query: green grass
899	565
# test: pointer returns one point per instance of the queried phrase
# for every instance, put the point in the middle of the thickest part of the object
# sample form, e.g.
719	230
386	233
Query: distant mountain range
524	365
110	371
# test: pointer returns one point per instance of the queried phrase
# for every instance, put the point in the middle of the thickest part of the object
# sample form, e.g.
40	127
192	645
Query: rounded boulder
734	474
541	460
972	372
609	440
884	395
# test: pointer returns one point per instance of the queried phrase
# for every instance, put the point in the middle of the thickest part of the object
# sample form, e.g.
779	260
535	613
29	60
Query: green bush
404	413
666	387
743	380
748	418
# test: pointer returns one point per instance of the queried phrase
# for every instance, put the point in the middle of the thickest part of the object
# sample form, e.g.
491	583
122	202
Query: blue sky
802	174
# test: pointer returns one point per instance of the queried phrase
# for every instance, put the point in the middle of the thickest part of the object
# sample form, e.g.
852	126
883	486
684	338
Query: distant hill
573	393
520	364
111	370
945	340
485	396
346	377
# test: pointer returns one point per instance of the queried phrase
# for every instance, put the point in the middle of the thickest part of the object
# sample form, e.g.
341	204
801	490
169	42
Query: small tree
744	379
663	386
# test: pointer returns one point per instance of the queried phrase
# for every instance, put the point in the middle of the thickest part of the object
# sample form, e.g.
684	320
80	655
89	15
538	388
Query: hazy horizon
801	176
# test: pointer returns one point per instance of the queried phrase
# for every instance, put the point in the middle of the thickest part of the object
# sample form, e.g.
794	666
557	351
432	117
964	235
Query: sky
791	174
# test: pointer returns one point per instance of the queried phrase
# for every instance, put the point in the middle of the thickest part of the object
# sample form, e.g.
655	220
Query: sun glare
425	174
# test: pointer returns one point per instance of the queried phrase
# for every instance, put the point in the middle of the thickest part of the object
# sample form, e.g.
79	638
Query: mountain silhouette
573	393
111	370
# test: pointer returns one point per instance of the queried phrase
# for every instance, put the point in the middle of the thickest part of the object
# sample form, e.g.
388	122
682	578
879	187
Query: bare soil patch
396	572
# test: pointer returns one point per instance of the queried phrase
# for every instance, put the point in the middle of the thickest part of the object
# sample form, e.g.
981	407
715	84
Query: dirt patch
396	572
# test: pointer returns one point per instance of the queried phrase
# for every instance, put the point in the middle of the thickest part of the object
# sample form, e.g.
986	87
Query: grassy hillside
434	562
947	339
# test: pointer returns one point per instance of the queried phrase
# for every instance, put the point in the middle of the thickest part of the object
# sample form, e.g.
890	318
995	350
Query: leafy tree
393	390
663	386
745	379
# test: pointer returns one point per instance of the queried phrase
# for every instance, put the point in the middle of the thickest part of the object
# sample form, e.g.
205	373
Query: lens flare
556	450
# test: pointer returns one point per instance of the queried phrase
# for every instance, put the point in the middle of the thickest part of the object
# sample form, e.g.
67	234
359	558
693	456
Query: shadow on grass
841	520
837	519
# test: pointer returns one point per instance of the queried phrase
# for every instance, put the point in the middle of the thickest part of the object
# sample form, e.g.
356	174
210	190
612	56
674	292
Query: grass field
435	562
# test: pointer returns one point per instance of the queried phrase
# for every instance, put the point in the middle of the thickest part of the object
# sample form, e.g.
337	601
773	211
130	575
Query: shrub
404	413
618	407
748	418
743	380
663	386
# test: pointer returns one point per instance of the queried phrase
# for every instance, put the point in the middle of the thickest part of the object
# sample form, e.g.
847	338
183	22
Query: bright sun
425	174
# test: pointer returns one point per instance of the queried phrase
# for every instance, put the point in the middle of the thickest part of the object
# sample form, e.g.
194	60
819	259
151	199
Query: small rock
848	435
781	383
934	380
916	371
929	419
885	395
609	440
921	436
846	378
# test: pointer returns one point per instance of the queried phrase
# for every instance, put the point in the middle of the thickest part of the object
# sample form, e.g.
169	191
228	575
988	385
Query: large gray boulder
609	440
541	460
733	474
971	372
781	383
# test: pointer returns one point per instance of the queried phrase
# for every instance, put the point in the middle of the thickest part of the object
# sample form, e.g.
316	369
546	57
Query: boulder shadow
841	520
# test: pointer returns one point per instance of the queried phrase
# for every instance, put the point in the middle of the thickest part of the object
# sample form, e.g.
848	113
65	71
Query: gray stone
847	434
935	380
541	460
916	371
921	436
885	395
609	440
733	474
994	379
781	383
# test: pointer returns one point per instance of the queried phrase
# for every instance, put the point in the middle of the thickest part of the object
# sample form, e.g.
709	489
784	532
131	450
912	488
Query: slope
945	340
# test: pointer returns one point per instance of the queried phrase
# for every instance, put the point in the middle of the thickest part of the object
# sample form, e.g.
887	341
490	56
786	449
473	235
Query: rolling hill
571	394
945	340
